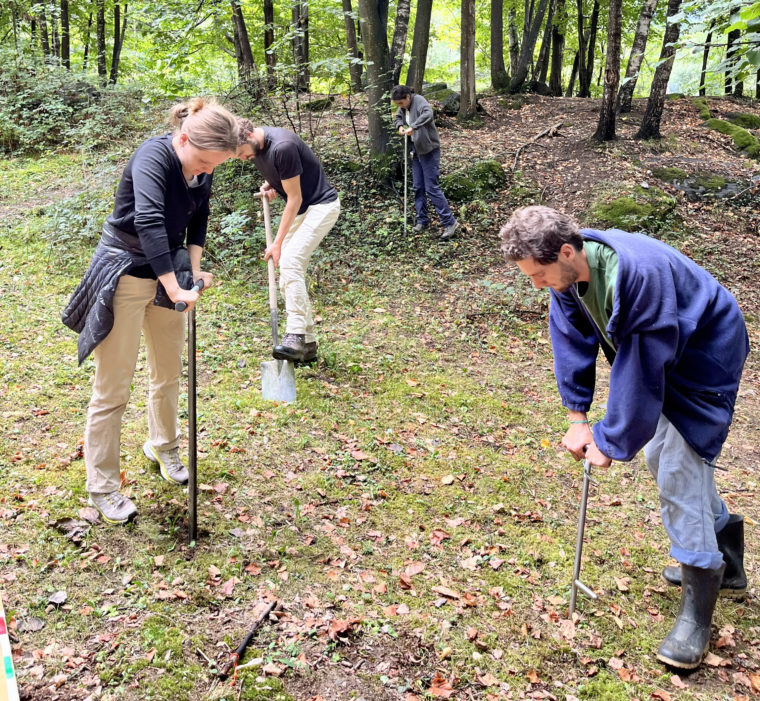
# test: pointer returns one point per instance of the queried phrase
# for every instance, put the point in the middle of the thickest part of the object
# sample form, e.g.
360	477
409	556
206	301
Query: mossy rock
514	102
743	140
480	181
674	96
670	174
646	209
319	104
711	182
701	104
433	87
744	120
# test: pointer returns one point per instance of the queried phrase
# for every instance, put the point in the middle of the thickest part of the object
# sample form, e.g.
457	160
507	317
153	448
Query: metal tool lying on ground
278	378
224	672
192	433
577	584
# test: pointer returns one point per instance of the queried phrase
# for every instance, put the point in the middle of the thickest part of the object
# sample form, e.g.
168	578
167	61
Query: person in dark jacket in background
677	342
415	118
140	269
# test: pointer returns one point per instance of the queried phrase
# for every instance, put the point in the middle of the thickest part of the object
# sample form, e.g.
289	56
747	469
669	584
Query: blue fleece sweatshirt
680	341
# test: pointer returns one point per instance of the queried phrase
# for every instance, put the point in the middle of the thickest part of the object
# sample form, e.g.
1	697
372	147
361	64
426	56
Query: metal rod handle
577	584
192	492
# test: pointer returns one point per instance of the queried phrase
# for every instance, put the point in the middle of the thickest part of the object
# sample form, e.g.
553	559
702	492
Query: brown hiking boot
293	348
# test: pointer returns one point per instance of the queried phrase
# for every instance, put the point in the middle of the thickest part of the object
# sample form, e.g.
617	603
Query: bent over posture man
677	343
291	170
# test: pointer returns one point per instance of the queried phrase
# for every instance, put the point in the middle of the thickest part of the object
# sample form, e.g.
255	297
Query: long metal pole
406	179
577	584
192	491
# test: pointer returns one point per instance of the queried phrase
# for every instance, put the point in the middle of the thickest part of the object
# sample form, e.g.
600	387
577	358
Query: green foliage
649	210
743	140
43	105
482	180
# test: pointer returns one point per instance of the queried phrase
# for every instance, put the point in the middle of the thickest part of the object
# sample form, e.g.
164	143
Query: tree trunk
373	16
573	74
705	56
558	47
55	39
625	96
300	16
246	64
606	129
65	43
650	126
416	72
583	81
100	26
355	67
269	52
44	39
467	105
733	38
87	43
398	45
591	51
499	77
118	41
542	65
514	41
757	85
527	48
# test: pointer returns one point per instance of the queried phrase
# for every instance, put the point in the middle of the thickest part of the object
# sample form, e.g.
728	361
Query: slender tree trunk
373	16
558	47
87	43
355	67
118	41
100	26
65	43
732	39
527	48
625	95
583	81
499	77
246	64
467	105
398	46
757	85
44	39
416	72
270	57
606	129
542	65
300	16
591	50
514	41
650	126
55	38
705	56
573	74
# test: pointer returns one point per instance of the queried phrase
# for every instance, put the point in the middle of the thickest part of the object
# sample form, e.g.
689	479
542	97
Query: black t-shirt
155	203
286	155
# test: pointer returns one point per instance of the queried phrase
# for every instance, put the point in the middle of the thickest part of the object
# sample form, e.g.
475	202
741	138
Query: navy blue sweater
680	346
154	202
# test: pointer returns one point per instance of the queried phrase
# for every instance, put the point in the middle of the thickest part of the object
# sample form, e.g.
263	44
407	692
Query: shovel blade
278	381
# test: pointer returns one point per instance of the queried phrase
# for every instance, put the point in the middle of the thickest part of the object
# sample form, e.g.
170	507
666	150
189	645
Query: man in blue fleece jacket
677	343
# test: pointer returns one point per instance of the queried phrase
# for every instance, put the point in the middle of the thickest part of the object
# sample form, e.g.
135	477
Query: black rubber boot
292	348
731	546
686	644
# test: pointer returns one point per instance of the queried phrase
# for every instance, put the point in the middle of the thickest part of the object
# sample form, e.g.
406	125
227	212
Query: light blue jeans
692	512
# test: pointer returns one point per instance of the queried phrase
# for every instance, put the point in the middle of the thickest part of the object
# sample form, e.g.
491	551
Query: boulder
480	181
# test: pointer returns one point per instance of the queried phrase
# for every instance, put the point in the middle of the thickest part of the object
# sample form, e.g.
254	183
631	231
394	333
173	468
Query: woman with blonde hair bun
147	260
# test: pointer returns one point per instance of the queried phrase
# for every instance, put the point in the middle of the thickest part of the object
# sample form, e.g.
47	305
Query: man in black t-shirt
291	169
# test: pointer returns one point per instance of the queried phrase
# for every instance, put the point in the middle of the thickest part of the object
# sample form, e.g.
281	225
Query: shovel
192	447
577	584
278	378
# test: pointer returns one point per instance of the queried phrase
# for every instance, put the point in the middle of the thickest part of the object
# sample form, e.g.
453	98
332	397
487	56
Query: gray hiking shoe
114	507
449	231
172	469
309	352
420	226
292	347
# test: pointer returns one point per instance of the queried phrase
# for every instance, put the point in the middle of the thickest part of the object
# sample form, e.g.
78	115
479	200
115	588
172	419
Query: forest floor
412	513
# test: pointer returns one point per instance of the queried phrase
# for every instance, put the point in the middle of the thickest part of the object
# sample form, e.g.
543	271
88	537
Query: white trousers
303	238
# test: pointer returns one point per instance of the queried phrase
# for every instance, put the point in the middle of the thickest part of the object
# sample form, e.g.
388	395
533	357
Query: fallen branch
224	672
550	131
